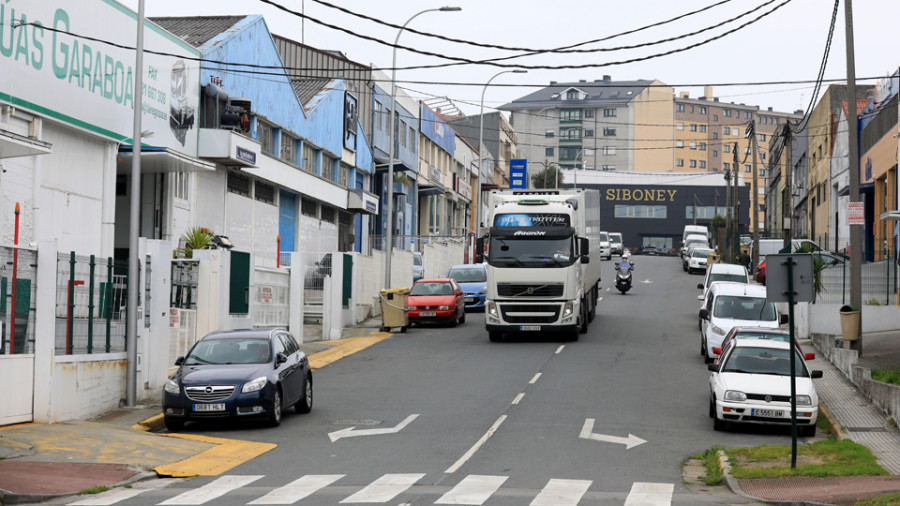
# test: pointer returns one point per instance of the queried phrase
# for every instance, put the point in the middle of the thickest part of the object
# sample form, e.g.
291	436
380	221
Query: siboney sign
59	60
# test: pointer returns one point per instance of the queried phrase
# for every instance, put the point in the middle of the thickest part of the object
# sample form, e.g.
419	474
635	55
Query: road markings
587	433
650	494
534	379
560	349
350	432
561	493
212	490
473	489
110	497
647	281
518	398
298	489
385	488
466	456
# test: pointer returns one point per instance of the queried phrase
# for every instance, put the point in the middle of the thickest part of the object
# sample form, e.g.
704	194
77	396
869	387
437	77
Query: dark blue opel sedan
239	374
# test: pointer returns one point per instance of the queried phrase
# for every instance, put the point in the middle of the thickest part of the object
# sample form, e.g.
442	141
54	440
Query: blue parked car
472	278
239	374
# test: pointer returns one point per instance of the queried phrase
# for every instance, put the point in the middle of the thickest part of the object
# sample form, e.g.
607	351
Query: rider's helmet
625	257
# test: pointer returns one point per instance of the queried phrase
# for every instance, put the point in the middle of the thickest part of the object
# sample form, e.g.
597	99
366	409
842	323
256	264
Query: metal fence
18	289
91	302
879	283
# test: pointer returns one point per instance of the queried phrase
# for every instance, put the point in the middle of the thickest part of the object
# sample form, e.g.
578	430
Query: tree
547	178
195	238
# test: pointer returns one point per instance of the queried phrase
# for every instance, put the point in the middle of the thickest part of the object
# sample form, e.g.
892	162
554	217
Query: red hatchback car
436	300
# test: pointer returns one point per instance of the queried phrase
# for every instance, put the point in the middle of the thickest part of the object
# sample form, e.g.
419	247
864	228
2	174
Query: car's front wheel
275	412
304	405
462	319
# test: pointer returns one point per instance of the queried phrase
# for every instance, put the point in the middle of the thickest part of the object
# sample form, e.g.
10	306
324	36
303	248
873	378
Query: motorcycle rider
624	262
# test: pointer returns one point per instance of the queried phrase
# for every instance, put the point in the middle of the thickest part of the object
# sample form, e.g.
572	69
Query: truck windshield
531	252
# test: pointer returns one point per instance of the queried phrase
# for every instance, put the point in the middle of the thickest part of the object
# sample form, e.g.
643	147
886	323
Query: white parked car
723	272
730	304
751	383
698	258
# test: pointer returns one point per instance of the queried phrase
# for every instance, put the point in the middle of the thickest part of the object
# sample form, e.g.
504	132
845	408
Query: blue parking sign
518	173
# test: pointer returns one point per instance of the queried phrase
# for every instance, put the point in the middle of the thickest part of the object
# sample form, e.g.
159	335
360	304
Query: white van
773	246
694	229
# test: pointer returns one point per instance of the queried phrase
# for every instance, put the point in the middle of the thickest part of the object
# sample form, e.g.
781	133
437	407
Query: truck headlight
568	309
253	386
492	310
734	395
172	387
804	400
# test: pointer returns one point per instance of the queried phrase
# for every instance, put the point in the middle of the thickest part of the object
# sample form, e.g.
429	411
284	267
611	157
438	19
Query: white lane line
560	349
601	298
466	456
518	398
561	493
110	497
650	494
385	488
298	489
212	490
534	379
474	489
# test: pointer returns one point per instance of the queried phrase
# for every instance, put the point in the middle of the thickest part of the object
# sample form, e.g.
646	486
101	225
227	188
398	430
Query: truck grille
536	313
529	290
209	393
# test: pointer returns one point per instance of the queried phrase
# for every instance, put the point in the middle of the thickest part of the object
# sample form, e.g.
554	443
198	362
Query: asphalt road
444	416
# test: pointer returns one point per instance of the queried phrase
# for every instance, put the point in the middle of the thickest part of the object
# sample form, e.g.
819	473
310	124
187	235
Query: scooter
623	278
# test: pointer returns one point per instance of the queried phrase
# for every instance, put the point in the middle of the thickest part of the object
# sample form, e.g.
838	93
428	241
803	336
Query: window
715	117
588	153
702	146
679	126
762	137
401	131
726	148
702	164
715	135
623	211
328	214
748	115
762	172
693	164
609	167
572	95
588	132
693	127
747	168
609	150
239	183
762	155
328	168
692	109
569	153
570	133
569	115
703	212
264	192
549	133
412	139
726	166
679	107
679	144
609	132
609	113
309	207
309	158
376	116
548	151
180	185
693	145
726	130
679	162
715	153
735	131
588	113
266	133
703	128
702	109
287	147
727	113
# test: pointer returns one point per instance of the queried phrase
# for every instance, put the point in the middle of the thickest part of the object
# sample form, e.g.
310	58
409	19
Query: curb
151	424
7	497
735	487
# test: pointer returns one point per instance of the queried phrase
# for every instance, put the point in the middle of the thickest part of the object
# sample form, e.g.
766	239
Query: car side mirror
699	286
717	350
809	356
179	360
280	358
783	319
704	314
712	367
815	374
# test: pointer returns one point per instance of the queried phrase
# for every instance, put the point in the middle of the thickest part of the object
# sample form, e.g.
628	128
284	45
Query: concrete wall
821	318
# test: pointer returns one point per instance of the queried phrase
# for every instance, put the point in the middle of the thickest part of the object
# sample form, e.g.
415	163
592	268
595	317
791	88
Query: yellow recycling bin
849	323
711	258
394	309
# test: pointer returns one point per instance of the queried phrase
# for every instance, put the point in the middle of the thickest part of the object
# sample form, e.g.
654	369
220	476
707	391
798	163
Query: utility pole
735	237
855	232
754	261
786	204
727	211
695	209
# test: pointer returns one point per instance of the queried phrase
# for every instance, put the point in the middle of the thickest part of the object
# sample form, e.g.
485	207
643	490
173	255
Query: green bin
394	309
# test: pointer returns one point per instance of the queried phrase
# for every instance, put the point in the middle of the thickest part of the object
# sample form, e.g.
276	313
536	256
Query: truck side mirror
479	250
584	246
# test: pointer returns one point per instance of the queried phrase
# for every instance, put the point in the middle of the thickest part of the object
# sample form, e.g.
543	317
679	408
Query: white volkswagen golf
751	383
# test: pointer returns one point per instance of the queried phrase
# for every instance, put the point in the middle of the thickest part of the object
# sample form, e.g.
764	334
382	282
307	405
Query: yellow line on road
345	347
227	454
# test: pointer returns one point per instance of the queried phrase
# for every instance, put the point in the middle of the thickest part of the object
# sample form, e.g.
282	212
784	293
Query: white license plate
427	313
470	299
772	413
529	327
209	407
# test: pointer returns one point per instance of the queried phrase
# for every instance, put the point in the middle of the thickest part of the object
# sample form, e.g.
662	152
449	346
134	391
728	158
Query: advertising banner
518	173
74	62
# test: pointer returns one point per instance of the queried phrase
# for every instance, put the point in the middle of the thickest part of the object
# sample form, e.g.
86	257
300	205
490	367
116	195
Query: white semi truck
543	261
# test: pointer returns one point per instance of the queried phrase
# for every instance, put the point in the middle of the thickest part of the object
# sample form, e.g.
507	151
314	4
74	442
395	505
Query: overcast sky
784	46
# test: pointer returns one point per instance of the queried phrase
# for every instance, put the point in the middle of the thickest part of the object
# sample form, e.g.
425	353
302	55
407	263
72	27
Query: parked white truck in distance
543	261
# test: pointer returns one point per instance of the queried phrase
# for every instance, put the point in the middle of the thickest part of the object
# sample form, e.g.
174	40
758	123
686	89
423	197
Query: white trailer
543	261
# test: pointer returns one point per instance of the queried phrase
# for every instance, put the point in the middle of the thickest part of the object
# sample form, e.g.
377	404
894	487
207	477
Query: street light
389	213
481	138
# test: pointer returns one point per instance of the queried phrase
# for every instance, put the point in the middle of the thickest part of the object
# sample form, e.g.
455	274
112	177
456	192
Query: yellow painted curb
150	423
345	347
832	422
226	455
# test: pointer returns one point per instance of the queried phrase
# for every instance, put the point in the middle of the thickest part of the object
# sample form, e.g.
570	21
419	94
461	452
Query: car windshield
229	351
754	360
740	278
701	253
744	308
468	275
432	288
604	237
531	252
615	238
755	334
417	259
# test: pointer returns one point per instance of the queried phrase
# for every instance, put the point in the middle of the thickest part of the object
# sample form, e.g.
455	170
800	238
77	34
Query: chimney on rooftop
708	92
685	94
607	78
552	83
582	81
770	109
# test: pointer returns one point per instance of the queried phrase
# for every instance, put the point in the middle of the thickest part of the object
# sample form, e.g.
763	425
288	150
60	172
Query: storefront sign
639	195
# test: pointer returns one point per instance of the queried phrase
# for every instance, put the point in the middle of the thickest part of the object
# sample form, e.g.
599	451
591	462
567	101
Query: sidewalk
39	461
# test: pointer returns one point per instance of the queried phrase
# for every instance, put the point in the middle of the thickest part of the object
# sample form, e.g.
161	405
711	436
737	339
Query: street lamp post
389	212
481	138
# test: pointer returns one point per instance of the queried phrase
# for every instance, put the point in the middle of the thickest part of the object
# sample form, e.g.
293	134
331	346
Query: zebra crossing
471	490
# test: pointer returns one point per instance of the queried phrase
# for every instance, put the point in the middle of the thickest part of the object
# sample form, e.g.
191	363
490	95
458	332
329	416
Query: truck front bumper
543	329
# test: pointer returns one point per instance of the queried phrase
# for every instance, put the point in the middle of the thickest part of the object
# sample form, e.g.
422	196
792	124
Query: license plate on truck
770	413
209	407
529	327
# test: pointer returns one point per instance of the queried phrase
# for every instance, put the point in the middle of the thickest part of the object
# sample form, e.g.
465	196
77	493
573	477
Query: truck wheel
583	328
571	336
495	337
593	313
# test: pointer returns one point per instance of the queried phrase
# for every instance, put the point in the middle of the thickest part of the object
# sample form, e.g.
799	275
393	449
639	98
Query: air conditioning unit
217	110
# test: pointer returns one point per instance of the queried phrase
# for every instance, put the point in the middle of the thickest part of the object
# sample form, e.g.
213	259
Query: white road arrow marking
587	433
647	281
350	432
